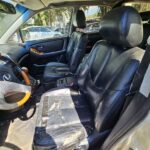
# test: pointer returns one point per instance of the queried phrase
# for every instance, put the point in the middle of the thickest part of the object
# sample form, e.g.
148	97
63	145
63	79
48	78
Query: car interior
76	83
74	53
101	89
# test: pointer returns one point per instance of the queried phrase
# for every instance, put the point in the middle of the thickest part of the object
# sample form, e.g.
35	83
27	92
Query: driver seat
80	119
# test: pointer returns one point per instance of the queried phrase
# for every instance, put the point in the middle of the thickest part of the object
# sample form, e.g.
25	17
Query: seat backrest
146	34
106	75
78	41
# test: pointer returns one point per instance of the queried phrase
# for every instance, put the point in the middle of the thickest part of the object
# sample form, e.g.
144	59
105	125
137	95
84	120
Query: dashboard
15	51
18	53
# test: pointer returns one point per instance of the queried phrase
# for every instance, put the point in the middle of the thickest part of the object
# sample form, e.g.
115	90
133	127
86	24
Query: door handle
35	51
40	47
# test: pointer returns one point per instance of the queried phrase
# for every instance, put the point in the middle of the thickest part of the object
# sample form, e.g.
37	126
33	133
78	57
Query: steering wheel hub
13	93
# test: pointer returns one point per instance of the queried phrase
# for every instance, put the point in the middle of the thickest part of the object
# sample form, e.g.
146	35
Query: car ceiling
40	4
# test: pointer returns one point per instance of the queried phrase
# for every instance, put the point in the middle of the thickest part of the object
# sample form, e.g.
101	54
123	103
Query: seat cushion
54	71
61	123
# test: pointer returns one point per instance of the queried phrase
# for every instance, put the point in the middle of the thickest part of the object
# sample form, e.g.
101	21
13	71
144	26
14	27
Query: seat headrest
122	26
79	20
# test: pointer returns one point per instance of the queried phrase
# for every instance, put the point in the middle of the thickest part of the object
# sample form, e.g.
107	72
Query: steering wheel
13	64
13	93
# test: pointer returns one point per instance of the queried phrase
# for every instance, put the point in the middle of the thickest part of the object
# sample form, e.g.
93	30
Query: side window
93	16
15	38
51	23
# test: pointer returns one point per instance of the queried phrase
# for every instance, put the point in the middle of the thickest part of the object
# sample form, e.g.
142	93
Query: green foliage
140	6
99	14
48	17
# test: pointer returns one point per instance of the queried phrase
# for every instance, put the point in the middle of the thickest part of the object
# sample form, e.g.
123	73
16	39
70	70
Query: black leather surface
79	20
146	34
74	54
136	108
76	50
105	76
127	28
145	15
106	83
55	70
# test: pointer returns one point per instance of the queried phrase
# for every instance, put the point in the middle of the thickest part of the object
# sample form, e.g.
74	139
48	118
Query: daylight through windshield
6	20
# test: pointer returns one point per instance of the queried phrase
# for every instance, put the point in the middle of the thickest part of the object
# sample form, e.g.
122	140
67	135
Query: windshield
7	20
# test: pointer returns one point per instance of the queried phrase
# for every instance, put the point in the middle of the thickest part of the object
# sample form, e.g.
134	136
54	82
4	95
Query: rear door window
93	16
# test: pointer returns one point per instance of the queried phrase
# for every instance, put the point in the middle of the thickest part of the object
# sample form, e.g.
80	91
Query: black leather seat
74	54
146	28
146	34
79	119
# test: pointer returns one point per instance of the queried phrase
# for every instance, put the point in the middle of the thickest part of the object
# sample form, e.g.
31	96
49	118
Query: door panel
45	51
46	35
48	45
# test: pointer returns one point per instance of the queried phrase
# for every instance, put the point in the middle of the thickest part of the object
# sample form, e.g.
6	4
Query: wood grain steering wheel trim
24	100
28	94
26	78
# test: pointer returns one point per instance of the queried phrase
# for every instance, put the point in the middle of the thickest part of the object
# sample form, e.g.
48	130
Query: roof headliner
40	4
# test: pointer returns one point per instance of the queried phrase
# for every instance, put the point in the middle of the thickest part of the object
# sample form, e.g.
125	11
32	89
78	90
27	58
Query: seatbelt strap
138	78
138	107
84	71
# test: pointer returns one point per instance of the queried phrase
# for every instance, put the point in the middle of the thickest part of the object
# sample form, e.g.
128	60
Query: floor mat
20	135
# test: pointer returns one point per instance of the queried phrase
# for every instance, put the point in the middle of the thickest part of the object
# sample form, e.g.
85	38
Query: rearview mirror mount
6	7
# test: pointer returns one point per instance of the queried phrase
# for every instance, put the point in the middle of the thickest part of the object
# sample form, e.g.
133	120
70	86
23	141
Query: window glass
15	38
48	24
140	6
7	20
93	16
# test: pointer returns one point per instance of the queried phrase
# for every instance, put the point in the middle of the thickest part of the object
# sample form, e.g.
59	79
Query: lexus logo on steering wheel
7	77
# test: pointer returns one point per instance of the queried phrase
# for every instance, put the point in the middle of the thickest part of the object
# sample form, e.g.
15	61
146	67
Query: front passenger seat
74	54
